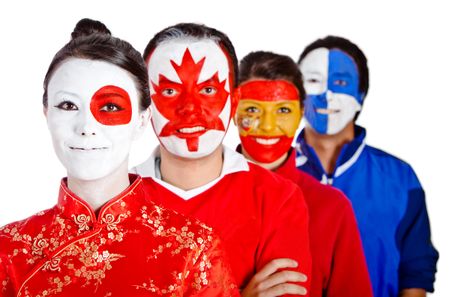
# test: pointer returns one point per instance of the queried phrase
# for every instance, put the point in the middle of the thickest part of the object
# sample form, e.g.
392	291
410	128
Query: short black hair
92	40
197	31
349	48
271	66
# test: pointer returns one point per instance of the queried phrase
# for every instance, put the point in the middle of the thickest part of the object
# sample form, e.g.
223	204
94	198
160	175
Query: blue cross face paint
331	82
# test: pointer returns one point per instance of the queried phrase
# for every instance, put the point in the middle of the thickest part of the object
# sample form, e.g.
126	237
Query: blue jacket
389	205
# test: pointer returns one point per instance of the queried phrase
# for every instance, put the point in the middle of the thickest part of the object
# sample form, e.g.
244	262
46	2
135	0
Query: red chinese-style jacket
132	247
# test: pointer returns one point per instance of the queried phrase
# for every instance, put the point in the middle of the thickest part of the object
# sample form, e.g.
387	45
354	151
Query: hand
269	282
412	293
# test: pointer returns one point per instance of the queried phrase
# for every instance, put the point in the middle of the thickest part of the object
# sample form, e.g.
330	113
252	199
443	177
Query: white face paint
331	82
87	148
190	105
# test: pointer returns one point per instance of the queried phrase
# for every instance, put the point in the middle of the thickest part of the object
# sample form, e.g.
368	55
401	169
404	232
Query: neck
328	147
269	166
97	192
188	174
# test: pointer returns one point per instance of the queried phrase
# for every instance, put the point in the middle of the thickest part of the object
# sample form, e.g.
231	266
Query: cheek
289	123
246	123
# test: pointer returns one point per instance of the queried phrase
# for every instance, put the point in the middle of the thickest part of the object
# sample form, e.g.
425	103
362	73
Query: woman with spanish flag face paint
267	117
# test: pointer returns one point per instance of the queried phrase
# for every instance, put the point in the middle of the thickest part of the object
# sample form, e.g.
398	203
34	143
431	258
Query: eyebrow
67	93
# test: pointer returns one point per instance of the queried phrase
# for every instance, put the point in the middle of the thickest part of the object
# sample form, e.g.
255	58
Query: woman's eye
252	109
340	82
111	107
67	105
169	92
284	110
208	91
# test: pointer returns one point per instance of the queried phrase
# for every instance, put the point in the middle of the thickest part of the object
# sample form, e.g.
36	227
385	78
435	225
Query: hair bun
86	27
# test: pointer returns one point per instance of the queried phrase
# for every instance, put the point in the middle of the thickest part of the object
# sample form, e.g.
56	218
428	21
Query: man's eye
312	80
284	110
111	107
340	82
252	109
208	91
67	105
169	92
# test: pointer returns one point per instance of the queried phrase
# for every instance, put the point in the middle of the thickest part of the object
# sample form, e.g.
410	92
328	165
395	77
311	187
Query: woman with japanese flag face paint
192	76
267	117
105	236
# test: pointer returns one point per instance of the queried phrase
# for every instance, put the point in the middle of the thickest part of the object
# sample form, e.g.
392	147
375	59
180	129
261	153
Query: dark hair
197	31
268	65
349	48
92	40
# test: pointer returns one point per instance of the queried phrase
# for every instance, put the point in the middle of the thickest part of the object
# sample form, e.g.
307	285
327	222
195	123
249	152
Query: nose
268	122
87	125
188	105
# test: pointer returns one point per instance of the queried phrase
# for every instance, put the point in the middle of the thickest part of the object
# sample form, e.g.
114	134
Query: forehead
84	76
269	90
216	59
328	62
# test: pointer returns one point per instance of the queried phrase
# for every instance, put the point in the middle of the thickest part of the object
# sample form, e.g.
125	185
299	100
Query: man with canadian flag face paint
387	197
192	71
267	117
190	89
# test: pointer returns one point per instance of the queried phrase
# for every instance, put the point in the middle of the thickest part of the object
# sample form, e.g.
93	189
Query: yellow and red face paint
267	117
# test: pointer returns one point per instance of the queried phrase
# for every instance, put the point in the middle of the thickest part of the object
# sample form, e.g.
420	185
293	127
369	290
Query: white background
406	112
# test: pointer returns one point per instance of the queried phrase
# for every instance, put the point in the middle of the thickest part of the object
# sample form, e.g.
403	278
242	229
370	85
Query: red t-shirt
259	216
339	265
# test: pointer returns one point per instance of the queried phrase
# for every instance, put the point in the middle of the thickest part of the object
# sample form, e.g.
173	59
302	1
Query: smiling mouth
191	130
267	141
87	149
327	111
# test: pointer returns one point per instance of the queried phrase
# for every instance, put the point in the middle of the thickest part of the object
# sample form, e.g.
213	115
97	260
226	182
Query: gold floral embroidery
52	264
172	288
82	222
111	222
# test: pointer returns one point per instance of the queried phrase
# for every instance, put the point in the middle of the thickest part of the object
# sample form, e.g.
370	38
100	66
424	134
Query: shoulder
325	196
391	166
24	231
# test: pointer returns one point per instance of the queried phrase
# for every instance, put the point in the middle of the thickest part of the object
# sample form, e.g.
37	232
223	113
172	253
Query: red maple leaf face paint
111	106
191	108
268	116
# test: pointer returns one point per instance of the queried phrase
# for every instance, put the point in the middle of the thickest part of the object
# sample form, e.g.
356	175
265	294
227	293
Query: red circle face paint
111	106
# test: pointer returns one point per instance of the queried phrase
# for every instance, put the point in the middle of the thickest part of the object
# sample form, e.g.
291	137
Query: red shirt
339	265
130	248
259	216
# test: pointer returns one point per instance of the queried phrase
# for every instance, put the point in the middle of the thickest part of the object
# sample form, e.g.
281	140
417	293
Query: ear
235	97
144	118
45	110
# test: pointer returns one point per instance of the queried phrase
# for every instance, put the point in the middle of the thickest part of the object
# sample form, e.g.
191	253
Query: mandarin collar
112	212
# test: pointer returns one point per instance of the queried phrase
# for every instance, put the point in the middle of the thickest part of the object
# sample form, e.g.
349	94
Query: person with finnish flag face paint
192	76
268	114
105	237
386	194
